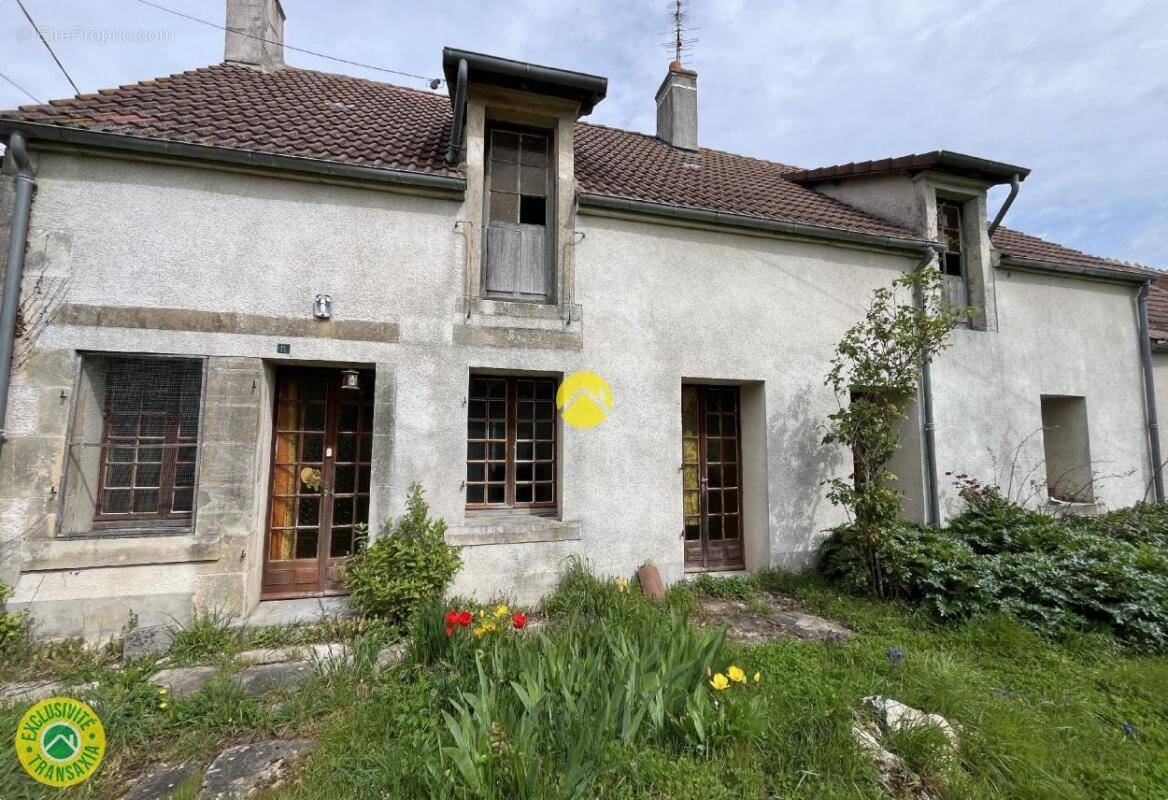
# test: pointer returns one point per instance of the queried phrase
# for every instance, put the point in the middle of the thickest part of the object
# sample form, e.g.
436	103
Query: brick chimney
677	108
255	34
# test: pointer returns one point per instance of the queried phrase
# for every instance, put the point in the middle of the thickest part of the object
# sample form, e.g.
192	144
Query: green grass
1036	718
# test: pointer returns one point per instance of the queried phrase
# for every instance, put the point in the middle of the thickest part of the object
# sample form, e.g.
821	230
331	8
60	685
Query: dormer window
519	240
951	228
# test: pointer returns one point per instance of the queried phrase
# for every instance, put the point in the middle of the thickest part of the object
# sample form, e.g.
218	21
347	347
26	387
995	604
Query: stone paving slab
160	782
241	770
183	681
261	678
769	618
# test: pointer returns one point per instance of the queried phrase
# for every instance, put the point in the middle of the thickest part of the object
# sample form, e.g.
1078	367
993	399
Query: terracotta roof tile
319	115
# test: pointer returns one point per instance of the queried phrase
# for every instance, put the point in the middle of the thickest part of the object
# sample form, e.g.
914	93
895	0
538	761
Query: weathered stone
266	677
241	770
154	640
183	681
809	626
769	618
331	652
160	781
392	654
28	692
895	716
651	584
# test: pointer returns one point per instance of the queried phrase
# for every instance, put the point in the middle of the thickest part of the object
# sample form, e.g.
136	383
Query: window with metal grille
511	443
134	445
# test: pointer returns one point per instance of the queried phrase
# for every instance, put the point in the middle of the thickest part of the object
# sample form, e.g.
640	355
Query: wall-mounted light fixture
323	307
350	379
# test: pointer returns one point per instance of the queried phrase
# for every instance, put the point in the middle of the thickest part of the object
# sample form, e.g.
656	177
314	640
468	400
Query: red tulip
519	620
464	619
451	617
449	629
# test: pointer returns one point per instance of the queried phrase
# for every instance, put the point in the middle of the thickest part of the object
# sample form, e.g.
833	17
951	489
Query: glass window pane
504	177
533	181
504	146
504	207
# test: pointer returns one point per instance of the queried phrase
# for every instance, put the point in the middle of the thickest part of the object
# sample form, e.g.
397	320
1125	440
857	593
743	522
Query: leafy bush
1051	574
14	627
404	569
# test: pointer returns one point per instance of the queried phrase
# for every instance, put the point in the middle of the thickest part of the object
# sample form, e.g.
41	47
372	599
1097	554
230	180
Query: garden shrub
1051	574
14	627
408	566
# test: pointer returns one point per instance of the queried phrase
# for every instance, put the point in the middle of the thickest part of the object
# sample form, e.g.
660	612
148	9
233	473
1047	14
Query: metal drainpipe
934	507
14	271
1150	394
459	114
1015	183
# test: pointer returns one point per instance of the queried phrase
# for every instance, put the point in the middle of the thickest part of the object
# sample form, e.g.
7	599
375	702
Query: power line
45	42
434	82
21	88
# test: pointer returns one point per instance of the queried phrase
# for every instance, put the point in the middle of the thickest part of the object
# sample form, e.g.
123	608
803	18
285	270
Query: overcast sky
1074	89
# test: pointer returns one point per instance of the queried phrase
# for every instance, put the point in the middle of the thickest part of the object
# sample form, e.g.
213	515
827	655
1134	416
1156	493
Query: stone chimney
677	108
255	34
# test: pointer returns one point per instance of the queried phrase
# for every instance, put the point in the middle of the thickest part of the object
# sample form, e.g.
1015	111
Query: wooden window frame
172	442
550	214
511	444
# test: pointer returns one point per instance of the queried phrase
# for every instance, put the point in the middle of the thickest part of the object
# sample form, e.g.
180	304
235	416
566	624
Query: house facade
256	303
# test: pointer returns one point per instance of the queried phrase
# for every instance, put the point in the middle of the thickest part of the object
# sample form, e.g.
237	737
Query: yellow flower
163	691
719	682
479	631
757	677
501	612
163	705
622	584
736	674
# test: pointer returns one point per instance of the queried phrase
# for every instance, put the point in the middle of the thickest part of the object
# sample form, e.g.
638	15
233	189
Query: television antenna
679	42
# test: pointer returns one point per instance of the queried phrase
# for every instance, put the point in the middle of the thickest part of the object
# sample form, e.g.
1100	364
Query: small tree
874	374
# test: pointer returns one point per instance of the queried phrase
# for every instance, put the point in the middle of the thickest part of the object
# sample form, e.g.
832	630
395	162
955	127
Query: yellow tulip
622	584
757	677
736	674
719	682
501	612
163	705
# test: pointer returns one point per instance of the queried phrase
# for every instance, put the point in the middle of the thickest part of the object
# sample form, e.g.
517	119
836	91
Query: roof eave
337	170
942	161
1080	270
581	87
742	221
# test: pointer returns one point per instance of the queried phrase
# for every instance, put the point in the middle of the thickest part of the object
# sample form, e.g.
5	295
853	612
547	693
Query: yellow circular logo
60	741
584	399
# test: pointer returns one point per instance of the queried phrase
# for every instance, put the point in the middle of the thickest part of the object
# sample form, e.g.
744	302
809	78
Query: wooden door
322	443
711	450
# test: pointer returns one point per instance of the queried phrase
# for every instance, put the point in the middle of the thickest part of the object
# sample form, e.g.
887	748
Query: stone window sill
103	550
497	529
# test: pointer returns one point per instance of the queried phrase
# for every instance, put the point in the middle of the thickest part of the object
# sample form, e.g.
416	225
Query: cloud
1074	89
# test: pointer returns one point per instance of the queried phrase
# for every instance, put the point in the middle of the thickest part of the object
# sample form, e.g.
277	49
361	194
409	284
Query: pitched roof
331	117
338	118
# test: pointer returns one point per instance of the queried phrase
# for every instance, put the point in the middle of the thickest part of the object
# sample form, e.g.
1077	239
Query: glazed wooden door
322	443
711	454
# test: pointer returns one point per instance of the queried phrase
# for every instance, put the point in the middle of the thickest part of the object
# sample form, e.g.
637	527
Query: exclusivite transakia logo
60	741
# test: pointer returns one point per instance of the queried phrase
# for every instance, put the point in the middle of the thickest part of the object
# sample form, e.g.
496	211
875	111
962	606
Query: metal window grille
136	438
